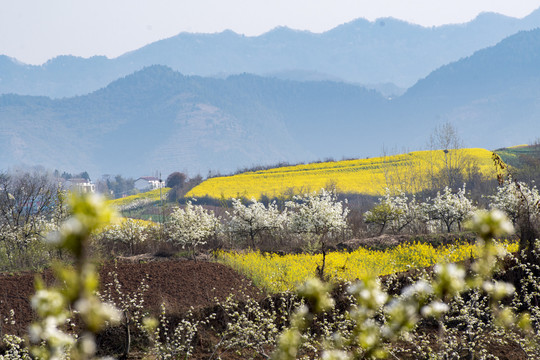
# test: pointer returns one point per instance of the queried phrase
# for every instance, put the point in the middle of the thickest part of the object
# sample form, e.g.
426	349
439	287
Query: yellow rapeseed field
148	224
277	273
152	195
407	172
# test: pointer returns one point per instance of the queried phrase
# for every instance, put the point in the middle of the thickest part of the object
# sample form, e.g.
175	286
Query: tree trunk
320	270
128	337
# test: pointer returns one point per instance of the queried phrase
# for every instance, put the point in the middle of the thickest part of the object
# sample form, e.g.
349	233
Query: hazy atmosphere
278	180
87	83
34	31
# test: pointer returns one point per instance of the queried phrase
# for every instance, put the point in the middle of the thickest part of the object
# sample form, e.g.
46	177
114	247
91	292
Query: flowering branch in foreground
380	319
77	294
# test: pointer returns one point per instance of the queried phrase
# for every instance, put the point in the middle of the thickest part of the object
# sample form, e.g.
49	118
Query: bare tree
456	167
27	200
401	172
445	137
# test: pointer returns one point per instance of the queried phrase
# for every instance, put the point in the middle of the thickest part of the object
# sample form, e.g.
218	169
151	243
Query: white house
146	183
80	185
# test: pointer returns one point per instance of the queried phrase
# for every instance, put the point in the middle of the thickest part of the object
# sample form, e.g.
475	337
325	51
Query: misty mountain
159	119
493	96
386	89
379	52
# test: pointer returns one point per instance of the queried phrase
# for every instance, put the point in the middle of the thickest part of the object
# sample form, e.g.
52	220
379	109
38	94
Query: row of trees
320	217
465	307
399	212
449	209
317	215
31	205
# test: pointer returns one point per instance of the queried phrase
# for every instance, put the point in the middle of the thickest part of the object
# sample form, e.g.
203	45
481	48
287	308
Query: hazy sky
34	31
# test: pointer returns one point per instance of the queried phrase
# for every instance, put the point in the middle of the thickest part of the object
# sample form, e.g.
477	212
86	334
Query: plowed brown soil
179	284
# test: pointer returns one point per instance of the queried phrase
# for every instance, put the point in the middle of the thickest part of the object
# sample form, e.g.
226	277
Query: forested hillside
159	119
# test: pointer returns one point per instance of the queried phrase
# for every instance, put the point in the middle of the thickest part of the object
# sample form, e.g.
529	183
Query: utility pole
162	212
160	195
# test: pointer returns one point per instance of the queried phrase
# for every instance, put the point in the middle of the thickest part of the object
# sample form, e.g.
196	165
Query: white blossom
514	198
450	208
317	213
129	231
250	220
395	212
192	226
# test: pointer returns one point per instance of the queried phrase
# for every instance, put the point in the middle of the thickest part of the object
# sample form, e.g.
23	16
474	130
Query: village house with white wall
147	183
80	185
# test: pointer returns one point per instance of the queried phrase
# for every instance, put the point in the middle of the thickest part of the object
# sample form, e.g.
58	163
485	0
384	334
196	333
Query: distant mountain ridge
159	119
497	88
383	51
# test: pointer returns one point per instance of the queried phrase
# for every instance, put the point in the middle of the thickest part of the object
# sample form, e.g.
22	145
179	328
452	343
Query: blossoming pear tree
521	203
191	227
250	220
514	197
450	208
128	231
320	215
395	212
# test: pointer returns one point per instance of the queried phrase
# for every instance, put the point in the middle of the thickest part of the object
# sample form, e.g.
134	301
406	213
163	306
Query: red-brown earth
179	284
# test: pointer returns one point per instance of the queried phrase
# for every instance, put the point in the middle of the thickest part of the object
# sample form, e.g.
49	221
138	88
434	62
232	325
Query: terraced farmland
519	155
142	198
408	172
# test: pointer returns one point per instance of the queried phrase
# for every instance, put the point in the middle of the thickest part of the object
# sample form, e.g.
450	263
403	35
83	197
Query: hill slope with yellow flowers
408	172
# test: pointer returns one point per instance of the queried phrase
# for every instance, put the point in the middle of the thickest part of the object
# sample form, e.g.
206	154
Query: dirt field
179	284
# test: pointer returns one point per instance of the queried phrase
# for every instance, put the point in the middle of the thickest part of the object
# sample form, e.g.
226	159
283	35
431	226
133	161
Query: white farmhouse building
80	185
146	183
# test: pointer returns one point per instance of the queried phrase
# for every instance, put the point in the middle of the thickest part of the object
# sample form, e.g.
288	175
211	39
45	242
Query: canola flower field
361	176
277	273
121	220
149	196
